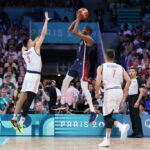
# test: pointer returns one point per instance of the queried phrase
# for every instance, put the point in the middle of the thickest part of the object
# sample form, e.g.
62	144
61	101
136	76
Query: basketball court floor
63	143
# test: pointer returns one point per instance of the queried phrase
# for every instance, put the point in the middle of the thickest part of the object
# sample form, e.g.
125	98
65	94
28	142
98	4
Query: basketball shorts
31	82
79	69
112	100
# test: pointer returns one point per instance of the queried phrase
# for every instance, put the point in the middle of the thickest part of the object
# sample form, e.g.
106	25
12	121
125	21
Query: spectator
71	96
96	108
53	84
51	92
66	111
125	25
4	99
39	108
10	84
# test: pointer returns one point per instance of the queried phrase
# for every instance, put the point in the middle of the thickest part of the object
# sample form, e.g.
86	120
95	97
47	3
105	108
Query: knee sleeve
109	121
28	102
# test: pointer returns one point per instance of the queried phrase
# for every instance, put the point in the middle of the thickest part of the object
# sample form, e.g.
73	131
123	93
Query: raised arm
86	38
71	28
98	81
43	33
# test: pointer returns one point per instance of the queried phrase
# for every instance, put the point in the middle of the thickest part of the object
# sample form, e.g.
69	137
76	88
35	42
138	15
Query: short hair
7	76
25	41
90	30
134	68
95	103
110	54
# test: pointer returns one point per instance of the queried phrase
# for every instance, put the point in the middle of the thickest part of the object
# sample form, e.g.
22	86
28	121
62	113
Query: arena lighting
59	75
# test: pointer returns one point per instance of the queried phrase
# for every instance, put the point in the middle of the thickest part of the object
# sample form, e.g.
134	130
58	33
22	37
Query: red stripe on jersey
85	69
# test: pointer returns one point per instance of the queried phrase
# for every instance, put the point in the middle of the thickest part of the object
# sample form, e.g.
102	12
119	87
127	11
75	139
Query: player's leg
65	86
26	107
109	121
13	121
84	86
69	77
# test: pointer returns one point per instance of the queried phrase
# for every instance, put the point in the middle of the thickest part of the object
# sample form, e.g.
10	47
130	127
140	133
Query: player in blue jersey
80	66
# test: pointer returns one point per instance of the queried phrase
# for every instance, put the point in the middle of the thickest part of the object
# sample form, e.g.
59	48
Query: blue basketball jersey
80	66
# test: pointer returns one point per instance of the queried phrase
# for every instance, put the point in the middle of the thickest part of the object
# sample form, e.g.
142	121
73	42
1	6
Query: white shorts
112	100
31	82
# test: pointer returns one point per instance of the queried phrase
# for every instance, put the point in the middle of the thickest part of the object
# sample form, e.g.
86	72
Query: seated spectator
39	108
66	111
11	53
96	108
4	99
10	63
10	84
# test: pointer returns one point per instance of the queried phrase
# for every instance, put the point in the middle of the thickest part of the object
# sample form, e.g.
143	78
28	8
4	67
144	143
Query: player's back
112	75
33	60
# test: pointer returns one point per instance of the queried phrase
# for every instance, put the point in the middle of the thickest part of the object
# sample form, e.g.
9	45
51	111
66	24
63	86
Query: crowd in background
38	3
132	49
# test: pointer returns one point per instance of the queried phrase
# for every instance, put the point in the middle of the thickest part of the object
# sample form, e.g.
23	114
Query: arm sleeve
140	83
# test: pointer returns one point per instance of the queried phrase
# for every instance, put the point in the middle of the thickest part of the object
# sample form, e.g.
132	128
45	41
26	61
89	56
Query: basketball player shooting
80	66
32	57
112	75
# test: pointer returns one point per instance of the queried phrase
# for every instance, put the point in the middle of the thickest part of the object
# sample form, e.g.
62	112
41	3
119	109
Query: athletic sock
108	135
119	125
22	120
15	116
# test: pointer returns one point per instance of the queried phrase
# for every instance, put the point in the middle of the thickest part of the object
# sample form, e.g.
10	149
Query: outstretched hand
46	16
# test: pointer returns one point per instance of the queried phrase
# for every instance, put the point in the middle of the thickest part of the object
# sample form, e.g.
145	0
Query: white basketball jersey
33	60
112	75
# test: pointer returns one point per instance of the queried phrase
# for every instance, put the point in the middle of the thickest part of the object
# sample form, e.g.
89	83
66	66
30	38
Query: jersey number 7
114	70
28	57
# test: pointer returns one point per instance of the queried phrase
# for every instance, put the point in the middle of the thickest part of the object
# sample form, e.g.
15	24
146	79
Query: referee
135	94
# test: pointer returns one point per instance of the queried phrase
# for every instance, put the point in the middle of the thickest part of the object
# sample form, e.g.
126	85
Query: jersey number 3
114	73
28	57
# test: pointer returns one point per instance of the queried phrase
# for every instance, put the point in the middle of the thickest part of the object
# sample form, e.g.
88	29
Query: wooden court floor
57	143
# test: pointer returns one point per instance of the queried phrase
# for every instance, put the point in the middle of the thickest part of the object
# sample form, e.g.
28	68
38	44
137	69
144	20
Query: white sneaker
124	130
105	143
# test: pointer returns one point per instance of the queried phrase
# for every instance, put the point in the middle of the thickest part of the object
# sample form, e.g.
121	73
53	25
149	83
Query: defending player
32	57
112	75
80	66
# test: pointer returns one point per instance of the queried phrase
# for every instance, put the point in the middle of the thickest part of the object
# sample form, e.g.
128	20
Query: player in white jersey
32	57
112	75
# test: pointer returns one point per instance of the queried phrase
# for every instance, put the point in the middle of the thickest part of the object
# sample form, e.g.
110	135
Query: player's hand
79	15
136	105
97	95
46	16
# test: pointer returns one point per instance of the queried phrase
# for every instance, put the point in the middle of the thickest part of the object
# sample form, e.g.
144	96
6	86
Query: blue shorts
79	69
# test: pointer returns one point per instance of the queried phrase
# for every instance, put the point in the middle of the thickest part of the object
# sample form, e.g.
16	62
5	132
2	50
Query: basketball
84	13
